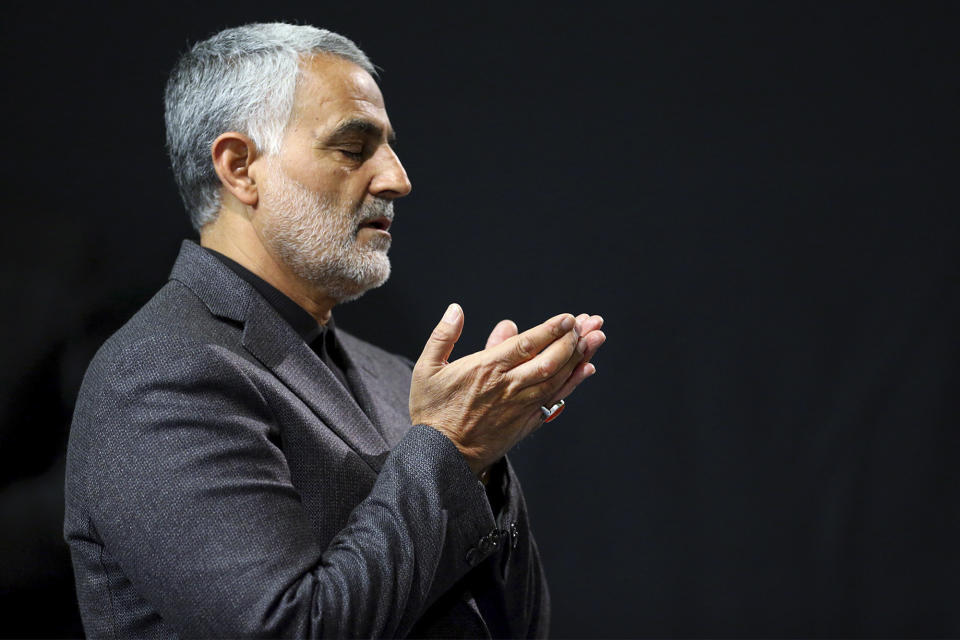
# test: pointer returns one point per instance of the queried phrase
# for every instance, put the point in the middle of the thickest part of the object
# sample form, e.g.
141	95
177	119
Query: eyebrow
363	127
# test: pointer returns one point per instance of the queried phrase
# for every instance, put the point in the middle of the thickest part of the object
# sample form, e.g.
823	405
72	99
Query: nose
390	180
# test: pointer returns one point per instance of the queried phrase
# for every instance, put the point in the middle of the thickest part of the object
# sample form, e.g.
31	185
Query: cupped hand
590	334
488	401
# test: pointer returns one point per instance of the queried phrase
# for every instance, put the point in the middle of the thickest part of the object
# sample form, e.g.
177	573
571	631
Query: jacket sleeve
509	585
512	581
174	463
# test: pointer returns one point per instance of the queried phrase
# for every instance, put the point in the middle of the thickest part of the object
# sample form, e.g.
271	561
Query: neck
234	236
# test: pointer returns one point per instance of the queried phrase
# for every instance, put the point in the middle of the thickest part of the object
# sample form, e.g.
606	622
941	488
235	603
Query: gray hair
241	79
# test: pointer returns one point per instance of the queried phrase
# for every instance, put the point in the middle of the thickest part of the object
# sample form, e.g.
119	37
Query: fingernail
452	314
591	370
567	323
582	345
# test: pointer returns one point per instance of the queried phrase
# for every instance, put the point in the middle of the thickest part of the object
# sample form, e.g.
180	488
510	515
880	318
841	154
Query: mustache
376	208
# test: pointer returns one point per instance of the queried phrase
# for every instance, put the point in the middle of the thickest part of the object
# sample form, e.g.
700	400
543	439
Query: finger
589	343
583	371
504	330
587	346
579	322
528	344
593	341
555	363
591	323
444	336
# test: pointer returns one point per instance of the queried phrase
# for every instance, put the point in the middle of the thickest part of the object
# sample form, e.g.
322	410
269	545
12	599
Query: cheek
352	194
342	186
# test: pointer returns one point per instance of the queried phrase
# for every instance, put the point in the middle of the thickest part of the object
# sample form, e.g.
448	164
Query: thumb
445	335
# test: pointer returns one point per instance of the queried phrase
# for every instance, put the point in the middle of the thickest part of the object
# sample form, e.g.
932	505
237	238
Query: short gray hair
241	79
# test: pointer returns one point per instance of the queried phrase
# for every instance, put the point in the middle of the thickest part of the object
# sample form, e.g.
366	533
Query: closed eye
353	155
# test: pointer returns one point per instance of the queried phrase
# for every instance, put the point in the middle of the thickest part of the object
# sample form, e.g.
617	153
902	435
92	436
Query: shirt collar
296	316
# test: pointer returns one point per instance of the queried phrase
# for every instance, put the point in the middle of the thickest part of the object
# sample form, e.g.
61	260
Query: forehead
331	90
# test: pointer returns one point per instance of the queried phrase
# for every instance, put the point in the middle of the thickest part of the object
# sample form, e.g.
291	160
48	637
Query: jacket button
489	542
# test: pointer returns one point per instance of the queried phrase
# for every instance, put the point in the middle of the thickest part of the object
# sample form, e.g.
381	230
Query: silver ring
549	413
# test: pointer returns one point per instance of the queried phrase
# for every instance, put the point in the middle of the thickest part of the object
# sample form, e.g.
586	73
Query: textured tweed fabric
222	483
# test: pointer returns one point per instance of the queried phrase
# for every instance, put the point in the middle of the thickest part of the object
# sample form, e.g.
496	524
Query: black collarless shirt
322	339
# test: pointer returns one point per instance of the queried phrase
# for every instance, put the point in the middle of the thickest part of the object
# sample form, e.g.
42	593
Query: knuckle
512	389
558	329
487	377
524	347
545	369
499	368
537	393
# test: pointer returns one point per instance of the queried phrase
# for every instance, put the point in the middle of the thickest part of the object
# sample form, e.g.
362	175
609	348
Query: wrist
477	467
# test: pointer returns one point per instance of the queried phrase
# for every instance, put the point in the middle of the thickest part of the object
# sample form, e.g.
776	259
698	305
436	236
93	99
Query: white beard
317	238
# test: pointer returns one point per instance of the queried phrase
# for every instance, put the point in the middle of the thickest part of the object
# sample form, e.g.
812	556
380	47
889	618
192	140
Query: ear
232	155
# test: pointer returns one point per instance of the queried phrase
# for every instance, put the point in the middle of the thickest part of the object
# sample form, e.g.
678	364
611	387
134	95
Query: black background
760	198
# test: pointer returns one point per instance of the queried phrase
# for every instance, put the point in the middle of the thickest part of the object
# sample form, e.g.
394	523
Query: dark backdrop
760	198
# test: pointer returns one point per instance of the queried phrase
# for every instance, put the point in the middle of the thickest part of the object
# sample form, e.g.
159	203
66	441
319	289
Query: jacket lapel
278	348
380	395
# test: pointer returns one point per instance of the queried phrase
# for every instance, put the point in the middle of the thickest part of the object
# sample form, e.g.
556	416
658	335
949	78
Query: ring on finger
553	411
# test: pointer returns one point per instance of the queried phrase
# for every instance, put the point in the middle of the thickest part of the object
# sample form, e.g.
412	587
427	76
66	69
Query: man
237	466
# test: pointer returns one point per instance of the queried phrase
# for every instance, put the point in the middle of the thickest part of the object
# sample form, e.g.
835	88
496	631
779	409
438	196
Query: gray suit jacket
221	482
